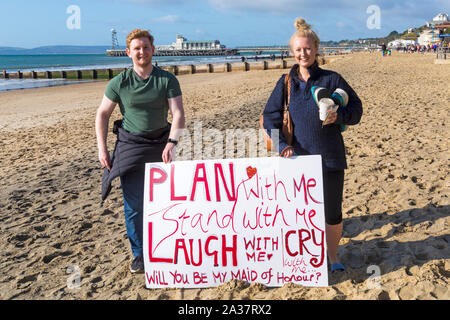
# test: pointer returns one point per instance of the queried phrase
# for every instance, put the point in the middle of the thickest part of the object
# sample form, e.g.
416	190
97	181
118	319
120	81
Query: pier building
184	47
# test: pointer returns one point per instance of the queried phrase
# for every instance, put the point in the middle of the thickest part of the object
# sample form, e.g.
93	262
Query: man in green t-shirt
145	95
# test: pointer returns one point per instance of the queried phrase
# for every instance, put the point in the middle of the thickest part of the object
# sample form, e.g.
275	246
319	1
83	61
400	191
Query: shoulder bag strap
287	91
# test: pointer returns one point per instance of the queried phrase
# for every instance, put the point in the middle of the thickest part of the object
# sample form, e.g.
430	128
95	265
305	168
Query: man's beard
144	64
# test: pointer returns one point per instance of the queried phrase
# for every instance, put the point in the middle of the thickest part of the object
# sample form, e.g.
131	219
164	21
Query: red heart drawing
269	256
251	172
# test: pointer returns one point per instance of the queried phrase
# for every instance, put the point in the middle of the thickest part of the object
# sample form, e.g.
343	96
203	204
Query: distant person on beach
383	49
145	95
311	135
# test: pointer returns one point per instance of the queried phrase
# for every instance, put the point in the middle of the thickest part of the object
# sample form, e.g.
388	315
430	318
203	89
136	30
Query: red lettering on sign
197	179
311	214
299	188
150	245
153	179
306	192
276	188
311	183
214	253
199	252
173	197
288	250
180	244
232	249
156	278
200	277
218	170
314	261
301	241
278	210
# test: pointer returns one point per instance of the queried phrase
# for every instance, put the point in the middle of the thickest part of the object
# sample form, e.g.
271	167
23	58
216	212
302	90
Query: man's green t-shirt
143	103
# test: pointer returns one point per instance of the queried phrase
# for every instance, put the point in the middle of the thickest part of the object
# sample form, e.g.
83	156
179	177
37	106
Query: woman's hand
331	118
287	152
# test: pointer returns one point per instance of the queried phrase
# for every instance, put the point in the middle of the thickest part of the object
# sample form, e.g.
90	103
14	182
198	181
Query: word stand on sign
255	219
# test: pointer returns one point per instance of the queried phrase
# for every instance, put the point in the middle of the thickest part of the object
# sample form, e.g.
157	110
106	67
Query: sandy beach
396	195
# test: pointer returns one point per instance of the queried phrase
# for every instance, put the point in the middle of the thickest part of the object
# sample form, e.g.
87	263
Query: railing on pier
116	53
176	52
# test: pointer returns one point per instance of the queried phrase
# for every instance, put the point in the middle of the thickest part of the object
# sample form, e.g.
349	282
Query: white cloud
296	7
154	2
167	19
269	6
409	8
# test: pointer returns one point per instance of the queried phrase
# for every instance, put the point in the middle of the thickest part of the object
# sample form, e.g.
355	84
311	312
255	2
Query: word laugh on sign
255	219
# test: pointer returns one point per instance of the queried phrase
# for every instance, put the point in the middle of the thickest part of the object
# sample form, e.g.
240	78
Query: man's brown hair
139	33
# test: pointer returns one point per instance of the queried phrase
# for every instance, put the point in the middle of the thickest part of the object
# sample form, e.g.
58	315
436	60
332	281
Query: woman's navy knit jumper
309	135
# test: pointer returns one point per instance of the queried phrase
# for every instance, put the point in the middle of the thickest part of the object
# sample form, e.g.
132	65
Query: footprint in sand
353	257
48	258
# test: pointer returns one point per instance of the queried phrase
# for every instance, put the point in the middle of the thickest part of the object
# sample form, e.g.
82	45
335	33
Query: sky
30	23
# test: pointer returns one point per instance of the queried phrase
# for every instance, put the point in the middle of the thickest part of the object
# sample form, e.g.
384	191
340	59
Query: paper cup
325	104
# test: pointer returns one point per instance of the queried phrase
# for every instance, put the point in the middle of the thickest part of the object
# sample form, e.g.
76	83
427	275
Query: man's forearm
177	118
101	130
177	125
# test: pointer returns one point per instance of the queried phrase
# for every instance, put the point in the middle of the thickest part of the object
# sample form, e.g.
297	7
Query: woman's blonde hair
304	30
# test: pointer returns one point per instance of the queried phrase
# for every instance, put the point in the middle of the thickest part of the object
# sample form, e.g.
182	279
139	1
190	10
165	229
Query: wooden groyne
106	74
69	74
228	67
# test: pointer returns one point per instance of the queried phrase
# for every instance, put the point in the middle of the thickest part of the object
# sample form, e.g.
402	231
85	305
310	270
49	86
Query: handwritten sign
255	219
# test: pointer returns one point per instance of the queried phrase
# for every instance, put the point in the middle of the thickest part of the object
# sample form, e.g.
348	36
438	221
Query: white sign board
254	219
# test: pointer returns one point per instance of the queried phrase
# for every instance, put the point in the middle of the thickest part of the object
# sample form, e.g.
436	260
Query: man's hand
104	158
177	111
167	155
101	130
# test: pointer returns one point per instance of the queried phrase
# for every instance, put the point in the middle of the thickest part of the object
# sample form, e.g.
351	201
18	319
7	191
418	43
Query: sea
53	62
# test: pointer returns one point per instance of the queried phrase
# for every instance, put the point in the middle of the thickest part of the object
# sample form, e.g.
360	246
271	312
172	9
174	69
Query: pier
176	52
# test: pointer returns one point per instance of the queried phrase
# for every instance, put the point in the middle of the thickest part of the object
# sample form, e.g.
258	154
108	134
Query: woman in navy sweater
311	135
